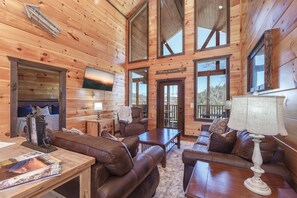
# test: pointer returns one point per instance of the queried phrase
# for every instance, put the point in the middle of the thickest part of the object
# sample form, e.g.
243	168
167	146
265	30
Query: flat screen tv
97	79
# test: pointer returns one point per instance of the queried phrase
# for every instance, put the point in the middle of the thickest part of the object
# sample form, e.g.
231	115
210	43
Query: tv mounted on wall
97	79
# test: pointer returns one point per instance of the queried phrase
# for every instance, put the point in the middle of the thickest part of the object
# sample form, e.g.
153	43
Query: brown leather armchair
119	170
137	126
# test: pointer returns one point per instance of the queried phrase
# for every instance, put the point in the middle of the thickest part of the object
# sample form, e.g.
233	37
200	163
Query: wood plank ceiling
127	7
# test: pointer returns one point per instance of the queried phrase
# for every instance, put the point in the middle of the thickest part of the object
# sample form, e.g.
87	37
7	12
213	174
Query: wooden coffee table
210	179
163	137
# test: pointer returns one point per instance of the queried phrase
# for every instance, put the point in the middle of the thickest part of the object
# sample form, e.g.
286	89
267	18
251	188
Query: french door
170	110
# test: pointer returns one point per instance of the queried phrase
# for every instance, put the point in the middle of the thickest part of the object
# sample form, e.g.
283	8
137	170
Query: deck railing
202	111
170	116
211	111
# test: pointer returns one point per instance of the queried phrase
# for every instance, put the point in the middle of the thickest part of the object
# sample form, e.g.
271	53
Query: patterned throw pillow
222	143
218	125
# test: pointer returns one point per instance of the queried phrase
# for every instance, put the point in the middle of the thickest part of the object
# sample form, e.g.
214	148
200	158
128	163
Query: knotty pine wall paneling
91	35
279	15
186	60
37	84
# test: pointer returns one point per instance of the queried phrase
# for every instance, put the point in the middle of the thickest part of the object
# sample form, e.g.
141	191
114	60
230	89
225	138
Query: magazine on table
27	168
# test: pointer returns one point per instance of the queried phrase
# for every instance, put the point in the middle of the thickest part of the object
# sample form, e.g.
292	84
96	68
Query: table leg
85	183
164	158
178	141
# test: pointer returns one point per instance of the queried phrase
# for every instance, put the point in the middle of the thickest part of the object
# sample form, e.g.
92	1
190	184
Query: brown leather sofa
200	152
137	126
119	170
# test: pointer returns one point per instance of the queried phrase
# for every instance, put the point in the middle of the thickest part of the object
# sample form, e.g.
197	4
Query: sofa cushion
244	147
114	155
222	143
203	140
205	133
218	125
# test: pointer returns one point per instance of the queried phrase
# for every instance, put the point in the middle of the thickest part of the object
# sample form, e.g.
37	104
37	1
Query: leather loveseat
119	170
273	162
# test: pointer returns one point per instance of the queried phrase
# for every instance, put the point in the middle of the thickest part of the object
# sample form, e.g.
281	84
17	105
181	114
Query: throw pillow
108	135
55	109
222	143
73	130
24	111
218	125
244	147
42	111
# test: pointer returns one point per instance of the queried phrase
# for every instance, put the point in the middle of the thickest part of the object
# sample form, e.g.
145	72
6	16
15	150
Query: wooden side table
73	165
210	179
95	127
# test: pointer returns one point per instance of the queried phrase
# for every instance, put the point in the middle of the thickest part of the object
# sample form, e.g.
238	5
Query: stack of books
26	168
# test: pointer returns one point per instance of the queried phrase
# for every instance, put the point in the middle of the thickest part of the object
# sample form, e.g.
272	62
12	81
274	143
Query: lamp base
257	186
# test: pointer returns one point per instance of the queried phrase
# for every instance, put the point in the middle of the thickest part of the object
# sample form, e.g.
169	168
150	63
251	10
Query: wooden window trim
208	74
129	86
159	42
266	42
195	30
145	5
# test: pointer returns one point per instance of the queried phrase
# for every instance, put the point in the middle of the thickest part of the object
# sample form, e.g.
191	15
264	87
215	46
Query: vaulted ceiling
127	7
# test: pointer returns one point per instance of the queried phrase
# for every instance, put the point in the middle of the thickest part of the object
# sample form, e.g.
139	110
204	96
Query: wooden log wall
186	60
280	15
92	34
37	84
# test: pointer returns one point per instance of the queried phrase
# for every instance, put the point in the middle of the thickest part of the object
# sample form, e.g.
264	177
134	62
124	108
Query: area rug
171	177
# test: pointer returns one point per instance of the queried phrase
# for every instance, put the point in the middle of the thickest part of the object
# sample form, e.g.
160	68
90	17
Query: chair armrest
143	121
190	156
205	127
125	122
144	164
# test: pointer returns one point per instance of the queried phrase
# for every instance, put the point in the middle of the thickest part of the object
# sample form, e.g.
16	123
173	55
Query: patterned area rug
171	177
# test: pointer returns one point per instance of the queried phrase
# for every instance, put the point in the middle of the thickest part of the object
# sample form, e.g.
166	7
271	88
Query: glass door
170	104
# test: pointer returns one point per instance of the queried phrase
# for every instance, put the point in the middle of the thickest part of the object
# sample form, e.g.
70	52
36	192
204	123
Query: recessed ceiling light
220	7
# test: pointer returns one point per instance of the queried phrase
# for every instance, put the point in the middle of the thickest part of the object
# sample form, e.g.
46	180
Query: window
211	88
211	23
259	64
138	35
170	27
138	89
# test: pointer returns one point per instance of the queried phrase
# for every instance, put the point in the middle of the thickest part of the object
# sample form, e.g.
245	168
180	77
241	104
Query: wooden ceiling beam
169	48
179	7
214	30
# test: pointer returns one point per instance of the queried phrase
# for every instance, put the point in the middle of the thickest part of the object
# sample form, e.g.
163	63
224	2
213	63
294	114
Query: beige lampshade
98	106
258	114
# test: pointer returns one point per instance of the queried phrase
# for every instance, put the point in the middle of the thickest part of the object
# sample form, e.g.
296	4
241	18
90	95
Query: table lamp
98	107
228	106
259	115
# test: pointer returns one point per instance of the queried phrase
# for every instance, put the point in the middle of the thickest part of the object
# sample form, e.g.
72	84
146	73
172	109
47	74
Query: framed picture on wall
260	64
